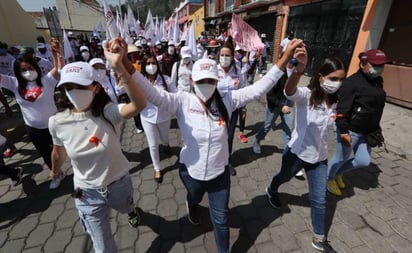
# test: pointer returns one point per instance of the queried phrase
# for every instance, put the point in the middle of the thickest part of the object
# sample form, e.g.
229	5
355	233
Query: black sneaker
323	246
273	198
193	214
17	179
134	219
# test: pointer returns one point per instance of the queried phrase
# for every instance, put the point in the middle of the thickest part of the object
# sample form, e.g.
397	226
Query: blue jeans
270	118
340	162
93	208
218	190
316	176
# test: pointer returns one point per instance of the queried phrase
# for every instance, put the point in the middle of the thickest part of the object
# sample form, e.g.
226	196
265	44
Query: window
228	5
211	8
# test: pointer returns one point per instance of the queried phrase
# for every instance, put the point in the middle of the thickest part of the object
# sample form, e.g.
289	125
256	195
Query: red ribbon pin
95	140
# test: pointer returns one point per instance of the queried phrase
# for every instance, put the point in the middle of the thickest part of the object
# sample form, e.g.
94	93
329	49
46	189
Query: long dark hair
144	64
327	66
99	102
22	82
220	106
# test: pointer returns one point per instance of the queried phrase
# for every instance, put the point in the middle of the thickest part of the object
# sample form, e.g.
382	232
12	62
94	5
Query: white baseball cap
203	69
80	73
84	48
185	52
96	61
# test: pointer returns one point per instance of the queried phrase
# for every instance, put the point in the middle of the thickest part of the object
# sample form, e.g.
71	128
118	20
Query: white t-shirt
92	145
44	65
185	74
48	55
205	149
6	64
309	139
152	113
232	80
36	103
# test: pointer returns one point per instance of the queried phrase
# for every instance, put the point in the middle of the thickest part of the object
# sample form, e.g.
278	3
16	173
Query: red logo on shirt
95	140
31	94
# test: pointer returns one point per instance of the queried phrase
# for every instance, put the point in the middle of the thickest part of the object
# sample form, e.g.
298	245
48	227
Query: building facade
331	28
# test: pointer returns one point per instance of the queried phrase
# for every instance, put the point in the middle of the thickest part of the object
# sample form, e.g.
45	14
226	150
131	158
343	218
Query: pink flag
245	36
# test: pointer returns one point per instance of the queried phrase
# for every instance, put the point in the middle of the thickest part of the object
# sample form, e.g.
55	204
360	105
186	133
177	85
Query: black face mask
42	50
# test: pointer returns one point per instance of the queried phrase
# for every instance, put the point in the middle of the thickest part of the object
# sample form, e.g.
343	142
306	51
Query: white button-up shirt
205	148
151	113
309	139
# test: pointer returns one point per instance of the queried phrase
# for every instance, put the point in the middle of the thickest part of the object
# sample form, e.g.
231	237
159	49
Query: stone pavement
374	215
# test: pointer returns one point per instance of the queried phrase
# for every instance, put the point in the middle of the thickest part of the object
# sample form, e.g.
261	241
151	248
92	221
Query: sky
37	5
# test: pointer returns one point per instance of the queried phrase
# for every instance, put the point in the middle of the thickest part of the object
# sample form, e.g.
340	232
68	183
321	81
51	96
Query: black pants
43	142
12	173
124	98
231	130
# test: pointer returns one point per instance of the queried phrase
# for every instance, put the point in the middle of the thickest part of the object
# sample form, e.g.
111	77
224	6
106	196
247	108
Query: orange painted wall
363	34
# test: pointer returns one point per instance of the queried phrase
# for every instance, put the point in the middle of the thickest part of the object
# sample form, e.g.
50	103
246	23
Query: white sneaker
55	183
299	174
139	131
256	147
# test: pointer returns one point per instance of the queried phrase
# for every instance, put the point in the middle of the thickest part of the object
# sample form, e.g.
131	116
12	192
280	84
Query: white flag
191	41
138	30
149	27
176	30
110	22
131	20
67	48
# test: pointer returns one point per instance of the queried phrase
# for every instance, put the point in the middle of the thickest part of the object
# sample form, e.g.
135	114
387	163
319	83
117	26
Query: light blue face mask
375	71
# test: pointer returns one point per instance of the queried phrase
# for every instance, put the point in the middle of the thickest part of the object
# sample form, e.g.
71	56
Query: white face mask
375	72
101	73
225	61
204	91
330	87
149	44
187	60
170	50
151	69
86	56
81	99
29	75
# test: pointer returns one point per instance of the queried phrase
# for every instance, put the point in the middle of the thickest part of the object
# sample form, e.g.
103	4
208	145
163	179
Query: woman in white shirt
88	132
35	95
203	117
315	112
182	70
231	78
156	121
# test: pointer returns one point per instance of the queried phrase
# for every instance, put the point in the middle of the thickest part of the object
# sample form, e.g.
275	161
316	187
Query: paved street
374	215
